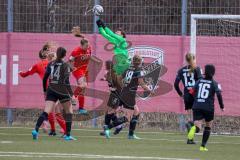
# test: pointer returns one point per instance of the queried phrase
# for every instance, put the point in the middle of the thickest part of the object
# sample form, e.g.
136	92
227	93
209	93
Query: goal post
196	17
215	39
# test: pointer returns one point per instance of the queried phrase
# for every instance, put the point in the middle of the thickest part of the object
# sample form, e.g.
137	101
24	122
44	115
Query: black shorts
199	114
188	101
115	101
53	96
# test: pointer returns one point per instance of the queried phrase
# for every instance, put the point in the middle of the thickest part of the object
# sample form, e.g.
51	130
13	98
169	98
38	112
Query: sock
114	118
108	118
42	117
51	119
193	130
189	124
133	124
206	135
61	121
117	122
81	101
77	91
68	123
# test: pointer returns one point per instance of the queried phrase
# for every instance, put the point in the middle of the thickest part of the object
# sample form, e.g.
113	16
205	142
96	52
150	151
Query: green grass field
17	143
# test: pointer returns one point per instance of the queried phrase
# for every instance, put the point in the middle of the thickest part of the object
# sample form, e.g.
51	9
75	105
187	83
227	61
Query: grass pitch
17	143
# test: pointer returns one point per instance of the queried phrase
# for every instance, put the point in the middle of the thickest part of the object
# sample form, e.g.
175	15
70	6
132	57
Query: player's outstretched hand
76	32
21	74
100	23
222	109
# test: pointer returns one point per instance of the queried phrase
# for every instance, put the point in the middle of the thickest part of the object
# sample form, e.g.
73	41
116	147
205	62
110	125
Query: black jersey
58	72
205	91
188	78
130	85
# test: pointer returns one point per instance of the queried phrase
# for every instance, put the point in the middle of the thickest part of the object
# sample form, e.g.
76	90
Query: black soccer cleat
190	141
102	133
52	133
117	130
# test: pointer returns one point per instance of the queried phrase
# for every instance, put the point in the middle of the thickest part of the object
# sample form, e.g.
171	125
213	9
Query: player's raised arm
114	35
101	28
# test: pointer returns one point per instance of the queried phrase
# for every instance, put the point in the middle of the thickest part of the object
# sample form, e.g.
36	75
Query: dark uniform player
130	80
203	107
57	72
113	101
189	75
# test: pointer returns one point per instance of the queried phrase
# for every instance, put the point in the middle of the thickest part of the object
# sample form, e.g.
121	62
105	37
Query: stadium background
26	25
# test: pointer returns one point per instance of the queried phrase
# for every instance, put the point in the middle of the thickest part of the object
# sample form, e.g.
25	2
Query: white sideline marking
68	155
6	142
102	137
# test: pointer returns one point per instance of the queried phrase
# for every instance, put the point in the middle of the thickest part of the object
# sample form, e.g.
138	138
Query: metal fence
162	17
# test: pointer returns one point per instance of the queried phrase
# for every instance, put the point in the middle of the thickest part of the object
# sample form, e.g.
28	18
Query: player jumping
80	57
203	107
189	75
57	73
46	55
113	105
118	39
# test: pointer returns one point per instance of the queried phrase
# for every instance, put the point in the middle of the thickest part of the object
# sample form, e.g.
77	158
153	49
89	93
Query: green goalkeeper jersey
121	58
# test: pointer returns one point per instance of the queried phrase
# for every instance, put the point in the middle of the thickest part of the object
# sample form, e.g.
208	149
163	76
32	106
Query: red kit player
80	58
46	55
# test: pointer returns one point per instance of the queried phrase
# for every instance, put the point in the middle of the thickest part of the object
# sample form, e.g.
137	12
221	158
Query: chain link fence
3	17
136	16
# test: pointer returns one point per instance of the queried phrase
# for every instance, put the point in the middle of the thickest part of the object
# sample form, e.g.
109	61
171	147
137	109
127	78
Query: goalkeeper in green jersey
118	39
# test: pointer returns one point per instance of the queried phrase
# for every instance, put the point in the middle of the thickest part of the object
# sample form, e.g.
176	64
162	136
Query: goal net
215	39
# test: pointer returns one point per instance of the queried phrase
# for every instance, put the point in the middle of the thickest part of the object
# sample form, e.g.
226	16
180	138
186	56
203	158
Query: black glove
100	23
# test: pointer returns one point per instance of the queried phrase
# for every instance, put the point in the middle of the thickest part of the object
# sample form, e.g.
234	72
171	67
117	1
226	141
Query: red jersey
81	59
38	68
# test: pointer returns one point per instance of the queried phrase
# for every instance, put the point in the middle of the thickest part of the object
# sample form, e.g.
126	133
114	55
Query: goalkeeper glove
100	23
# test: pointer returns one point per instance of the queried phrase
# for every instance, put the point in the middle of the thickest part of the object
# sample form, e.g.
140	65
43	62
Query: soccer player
129	81
118	39
188	75
58	89
80	58
46	55
203	107
113	104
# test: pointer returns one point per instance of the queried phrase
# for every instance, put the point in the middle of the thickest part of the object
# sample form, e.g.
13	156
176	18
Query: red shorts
80	73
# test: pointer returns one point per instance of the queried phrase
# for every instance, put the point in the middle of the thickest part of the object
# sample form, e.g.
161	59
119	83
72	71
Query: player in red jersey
80	58
46	54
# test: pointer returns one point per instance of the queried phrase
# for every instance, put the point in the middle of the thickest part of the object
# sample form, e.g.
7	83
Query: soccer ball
98	10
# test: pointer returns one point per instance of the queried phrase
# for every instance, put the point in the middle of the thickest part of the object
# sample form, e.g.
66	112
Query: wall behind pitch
22	50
